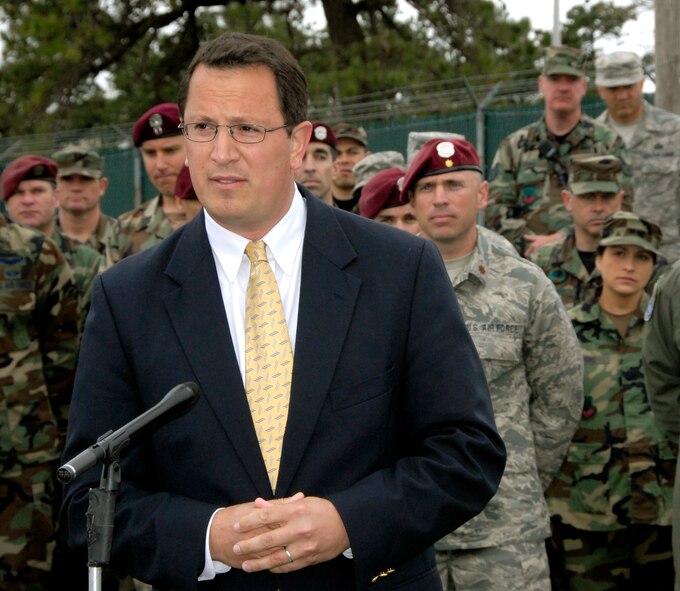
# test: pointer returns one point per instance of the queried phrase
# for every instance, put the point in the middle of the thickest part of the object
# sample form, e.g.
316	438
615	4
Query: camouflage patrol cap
590	173
440	156
79	160
624	228
620	68
159	121
563	60
27	168
417	139
184	188
382	191
345	130
373	163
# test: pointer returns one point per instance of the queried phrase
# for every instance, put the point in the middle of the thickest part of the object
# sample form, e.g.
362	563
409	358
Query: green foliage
78	63
586	24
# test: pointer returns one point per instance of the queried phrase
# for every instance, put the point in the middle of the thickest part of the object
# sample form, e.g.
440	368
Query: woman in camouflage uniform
611	501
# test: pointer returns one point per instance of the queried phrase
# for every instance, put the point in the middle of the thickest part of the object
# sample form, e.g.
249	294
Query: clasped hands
281	535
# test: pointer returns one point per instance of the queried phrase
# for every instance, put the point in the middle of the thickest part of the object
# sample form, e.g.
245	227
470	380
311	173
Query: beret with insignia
27	168
438	156
159	121
323	133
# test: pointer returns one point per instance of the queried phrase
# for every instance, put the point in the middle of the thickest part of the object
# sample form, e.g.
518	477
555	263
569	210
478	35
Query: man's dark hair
241	50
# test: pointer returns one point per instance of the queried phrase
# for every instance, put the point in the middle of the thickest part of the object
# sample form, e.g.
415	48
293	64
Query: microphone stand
101	509
100	519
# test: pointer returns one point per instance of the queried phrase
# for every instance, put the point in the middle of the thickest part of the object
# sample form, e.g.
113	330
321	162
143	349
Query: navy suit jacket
390	418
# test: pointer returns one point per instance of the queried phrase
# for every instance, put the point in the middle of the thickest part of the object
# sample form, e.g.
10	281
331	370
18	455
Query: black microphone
180	397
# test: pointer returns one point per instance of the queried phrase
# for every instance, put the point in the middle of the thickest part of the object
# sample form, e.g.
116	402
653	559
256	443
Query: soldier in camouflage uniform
533	367
529	170
661	356
351	143
28	187
81	184
611	502
652	137
159	139
593	192
39	333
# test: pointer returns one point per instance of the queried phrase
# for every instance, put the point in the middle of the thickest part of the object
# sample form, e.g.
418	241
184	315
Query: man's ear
299	137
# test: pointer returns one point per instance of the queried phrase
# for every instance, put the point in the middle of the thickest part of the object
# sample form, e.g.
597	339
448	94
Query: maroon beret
159	121
381	191
323	133
27	168
184	189
438	156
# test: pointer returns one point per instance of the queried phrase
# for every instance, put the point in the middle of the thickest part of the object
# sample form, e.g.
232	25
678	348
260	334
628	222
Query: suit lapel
196	310
327	299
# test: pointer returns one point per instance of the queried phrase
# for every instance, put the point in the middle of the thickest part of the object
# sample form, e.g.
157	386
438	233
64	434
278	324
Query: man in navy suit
390	440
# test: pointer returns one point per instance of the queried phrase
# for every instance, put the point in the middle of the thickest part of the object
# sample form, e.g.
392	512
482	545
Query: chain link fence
484	109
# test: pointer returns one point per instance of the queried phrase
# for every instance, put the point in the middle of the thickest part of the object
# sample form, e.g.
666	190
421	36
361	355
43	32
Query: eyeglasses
244	133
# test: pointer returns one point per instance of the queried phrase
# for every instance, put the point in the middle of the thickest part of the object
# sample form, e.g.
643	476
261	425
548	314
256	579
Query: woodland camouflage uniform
561	260
144	226
525	182
39	333
618	477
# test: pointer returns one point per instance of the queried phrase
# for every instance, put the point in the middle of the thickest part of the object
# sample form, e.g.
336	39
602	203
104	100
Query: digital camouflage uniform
654	150
533	366
39	332
655	155
144	226
661	354
525	192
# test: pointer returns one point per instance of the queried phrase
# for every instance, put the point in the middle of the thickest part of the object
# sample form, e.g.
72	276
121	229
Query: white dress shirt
284	252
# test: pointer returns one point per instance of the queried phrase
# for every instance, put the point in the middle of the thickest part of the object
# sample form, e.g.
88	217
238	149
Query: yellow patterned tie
269	358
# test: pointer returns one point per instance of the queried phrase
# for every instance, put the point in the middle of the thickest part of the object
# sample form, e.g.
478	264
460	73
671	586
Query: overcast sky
637	36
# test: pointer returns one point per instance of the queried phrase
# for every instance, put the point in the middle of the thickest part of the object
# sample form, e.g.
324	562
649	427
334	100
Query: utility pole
667	54
556	32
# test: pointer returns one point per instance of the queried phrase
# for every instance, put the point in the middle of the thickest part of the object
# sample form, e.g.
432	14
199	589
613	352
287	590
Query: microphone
180	397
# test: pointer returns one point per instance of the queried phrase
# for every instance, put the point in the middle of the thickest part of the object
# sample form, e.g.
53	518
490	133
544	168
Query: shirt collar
283	241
